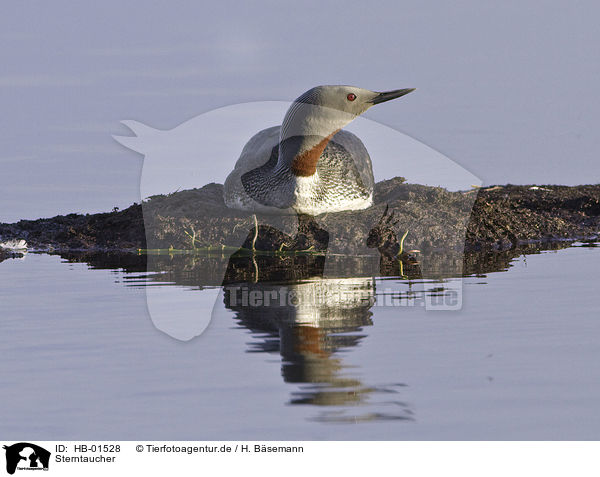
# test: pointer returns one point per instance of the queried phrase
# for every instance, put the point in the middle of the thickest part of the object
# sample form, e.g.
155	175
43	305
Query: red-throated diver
309	164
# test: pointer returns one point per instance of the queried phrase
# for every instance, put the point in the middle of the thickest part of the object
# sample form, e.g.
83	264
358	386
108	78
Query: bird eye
351	96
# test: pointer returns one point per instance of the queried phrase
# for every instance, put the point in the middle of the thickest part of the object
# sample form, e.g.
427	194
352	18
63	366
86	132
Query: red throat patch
305	164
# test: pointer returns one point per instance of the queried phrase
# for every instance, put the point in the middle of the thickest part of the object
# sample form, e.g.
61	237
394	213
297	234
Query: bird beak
386	96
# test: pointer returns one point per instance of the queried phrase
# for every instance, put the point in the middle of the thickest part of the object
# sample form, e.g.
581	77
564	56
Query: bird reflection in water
310	320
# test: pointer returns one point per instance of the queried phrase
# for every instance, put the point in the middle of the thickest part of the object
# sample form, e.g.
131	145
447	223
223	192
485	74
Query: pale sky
507	90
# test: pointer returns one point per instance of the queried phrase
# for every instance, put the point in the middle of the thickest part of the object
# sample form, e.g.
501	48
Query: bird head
323	110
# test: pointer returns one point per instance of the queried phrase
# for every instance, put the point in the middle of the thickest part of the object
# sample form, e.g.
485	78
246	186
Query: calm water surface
82	357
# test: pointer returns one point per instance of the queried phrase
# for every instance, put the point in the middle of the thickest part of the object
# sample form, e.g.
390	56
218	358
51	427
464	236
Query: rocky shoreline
492	218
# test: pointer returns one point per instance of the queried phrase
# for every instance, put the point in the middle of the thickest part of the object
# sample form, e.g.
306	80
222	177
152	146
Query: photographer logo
26	456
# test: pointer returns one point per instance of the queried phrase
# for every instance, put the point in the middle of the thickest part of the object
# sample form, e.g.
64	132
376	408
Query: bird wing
257	150
359	156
